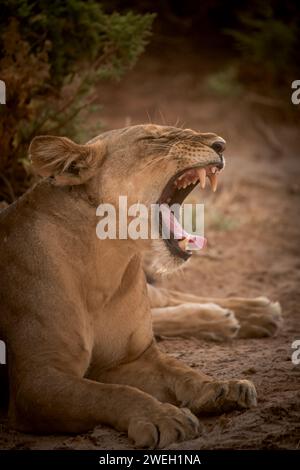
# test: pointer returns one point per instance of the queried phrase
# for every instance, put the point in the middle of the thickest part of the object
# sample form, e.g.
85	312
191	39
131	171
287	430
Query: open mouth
179	242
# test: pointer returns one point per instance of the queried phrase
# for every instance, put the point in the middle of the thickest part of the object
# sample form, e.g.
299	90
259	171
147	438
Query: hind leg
207	321
256	317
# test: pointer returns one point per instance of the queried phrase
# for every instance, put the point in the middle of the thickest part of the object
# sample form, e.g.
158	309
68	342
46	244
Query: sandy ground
252	225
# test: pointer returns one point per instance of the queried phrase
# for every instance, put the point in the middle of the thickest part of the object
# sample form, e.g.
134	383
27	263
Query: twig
9	187
269	134
265	100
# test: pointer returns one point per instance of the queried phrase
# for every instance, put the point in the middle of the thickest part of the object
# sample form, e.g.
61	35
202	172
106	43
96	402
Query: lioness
75	312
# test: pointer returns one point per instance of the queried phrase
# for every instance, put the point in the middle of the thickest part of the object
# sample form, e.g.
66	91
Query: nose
222	164
219	145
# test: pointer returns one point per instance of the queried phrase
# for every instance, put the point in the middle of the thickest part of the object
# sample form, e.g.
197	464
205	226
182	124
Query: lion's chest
122	331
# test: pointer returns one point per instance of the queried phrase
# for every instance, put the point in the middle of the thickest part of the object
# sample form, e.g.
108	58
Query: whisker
177	122
152	162
162	117
149	117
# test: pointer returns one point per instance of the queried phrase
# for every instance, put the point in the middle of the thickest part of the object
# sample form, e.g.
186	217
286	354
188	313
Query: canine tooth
183	244
214	170
202	177
213	181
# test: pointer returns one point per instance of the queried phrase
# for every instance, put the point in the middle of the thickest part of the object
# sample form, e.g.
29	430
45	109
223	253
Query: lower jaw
175	250
179	242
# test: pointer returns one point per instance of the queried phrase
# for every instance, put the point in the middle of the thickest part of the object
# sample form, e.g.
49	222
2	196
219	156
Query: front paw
217	397
165	425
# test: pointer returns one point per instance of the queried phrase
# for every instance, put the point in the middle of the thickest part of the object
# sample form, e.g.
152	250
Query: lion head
148	164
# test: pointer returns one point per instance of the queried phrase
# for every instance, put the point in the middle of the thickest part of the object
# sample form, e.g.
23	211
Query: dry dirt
253	233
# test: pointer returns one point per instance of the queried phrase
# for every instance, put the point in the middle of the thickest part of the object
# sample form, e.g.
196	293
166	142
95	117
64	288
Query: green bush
52	55
268	43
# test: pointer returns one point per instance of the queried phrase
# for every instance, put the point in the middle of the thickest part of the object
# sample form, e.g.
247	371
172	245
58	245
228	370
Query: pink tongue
196	242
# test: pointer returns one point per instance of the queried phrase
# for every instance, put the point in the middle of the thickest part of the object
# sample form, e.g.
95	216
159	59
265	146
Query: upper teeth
195	174
213	181
202	177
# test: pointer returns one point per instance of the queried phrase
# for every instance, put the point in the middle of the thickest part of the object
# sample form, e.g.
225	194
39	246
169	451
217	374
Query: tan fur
75	312
179	314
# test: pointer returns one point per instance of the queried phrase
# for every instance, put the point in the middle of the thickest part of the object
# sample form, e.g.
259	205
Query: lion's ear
68	163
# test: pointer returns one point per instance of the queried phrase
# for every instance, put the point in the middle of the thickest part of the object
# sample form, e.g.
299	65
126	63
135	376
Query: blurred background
78	67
